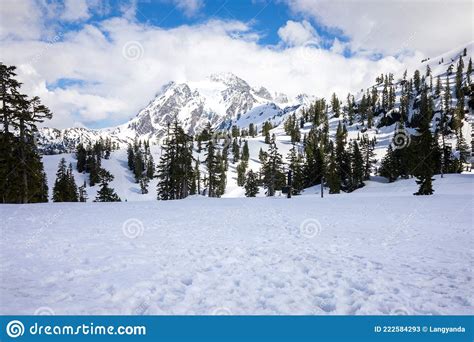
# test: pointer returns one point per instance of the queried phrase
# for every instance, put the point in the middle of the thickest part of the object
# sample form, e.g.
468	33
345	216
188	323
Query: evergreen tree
197	178
241	173
65	189
333	179
105	193
367	147
175	171
295	161
222	179
314	166
82	193
357	168
267	126
212	165
273	176
469	72
251	184
252	130
342	158
335	105
245	152
22	177
150	167
130	157
388	166
144	184
93	166
235	151
81	156
424	169
417	81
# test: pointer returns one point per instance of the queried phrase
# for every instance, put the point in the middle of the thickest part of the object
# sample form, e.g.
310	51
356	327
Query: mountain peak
228	79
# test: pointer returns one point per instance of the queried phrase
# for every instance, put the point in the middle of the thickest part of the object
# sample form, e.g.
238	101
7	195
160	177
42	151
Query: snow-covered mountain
221	99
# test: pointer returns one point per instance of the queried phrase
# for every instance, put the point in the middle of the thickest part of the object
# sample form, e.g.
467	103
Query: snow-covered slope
375	251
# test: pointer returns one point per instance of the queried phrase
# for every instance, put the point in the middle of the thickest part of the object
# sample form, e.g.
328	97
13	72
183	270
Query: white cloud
390	27
189	7
112	87
298	33
75	10
15	24
338	46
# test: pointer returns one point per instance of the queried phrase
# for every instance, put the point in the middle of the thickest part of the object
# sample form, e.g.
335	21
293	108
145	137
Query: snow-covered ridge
221	99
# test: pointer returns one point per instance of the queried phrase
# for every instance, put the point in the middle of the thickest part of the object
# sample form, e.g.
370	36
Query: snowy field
380	250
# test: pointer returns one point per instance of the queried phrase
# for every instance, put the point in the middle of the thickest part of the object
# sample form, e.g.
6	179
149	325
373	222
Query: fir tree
424	169
65	189
295	161
197	177
251	184
81	156
235	151
241	173
314	166
333	179
335	105
367	147
388	166
357	168
469	72
342	158
175	171
105	193
245	152
130	157
22	177
273	176
82	193
144	184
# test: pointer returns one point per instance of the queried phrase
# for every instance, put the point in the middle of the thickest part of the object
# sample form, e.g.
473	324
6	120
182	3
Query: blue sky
265	16
111	57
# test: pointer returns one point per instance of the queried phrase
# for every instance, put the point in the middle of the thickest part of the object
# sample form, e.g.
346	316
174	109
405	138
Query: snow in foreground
380	250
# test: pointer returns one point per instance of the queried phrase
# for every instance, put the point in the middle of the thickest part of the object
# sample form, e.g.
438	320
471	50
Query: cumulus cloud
391	27
298	33
87	77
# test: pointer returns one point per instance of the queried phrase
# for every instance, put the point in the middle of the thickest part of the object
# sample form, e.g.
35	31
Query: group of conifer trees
22	177
65	188
341	165
89	160
427	152
178	172
140	162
